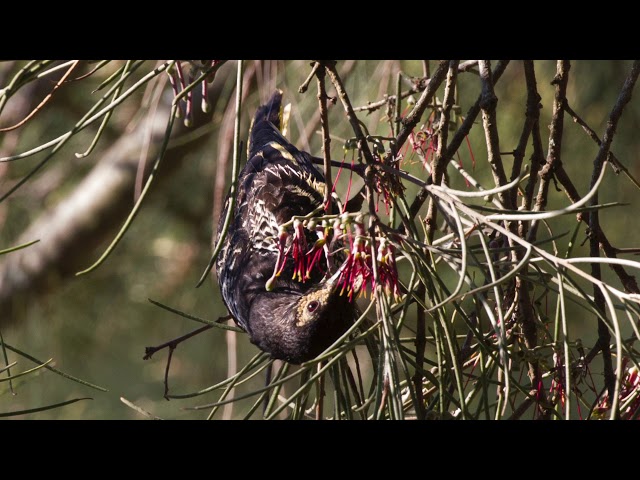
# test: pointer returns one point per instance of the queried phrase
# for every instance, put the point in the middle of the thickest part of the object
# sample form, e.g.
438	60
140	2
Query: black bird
293	320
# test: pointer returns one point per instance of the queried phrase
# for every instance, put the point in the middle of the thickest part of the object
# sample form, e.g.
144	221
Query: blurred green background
96	326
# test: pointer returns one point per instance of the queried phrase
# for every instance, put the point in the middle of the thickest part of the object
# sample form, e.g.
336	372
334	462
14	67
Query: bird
291	318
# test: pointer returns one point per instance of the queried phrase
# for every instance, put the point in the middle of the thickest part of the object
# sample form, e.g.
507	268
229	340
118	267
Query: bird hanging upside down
293	315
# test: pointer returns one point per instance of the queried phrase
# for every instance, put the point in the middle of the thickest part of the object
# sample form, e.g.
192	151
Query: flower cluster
355	274
424	142
557	388
387	184
305	260
629	399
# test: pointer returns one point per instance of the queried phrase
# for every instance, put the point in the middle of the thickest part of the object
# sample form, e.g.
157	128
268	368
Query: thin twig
420	343
489	122
234	175
537	157
555	141
314	70
92	71
54	370
532	117
417	87
363	146
232	367
412	119
6	362
172	344
439	166
458	137
604	336
628	281
320	393
138	409
326	139
44	101
594	136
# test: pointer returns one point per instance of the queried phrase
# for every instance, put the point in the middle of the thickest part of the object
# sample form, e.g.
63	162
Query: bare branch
417	87
439	166
70	230
326	139
411	120
604	337
490	124
555	141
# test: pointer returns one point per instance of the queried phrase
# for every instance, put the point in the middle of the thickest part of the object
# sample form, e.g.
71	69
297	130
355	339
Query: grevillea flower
356	273
281	259
558	383
387	185
304	259
179	84
629	399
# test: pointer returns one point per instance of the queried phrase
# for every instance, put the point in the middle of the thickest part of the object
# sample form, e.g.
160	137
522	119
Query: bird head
297	326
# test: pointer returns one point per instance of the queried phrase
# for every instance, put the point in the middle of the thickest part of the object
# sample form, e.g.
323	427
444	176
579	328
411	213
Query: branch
459	137
594	136
363	146
421	344
537	157
604	336
172	344
532	117
305	85
351	116
523	312
488	104
555	141
72	229
439	166
411	120
628	281
326	139
44	101
417	87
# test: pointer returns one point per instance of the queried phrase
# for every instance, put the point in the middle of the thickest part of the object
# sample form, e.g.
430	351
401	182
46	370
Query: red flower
197	67
629	399
355	274
357	270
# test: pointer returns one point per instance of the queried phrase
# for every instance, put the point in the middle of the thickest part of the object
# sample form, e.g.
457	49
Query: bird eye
313	306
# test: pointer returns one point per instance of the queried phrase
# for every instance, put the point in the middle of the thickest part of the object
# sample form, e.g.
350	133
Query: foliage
475	256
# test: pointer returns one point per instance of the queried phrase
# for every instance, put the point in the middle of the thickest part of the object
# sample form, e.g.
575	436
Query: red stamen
460	163
344	207
473	159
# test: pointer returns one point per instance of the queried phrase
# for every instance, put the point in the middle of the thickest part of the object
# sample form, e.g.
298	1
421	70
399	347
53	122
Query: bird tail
266	124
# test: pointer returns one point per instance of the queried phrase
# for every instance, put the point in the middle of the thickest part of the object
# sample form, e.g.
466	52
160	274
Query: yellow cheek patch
304	316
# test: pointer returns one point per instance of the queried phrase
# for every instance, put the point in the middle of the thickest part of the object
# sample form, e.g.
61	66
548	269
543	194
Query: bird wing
277	182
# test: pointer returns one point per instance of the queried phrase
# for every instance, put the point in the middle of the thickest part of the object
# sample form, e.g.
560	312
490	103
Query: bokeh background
96	326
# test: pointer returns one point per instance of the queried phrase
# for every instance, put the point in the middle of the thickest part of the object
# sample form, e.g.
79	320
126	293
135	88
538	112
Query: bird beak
332	282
